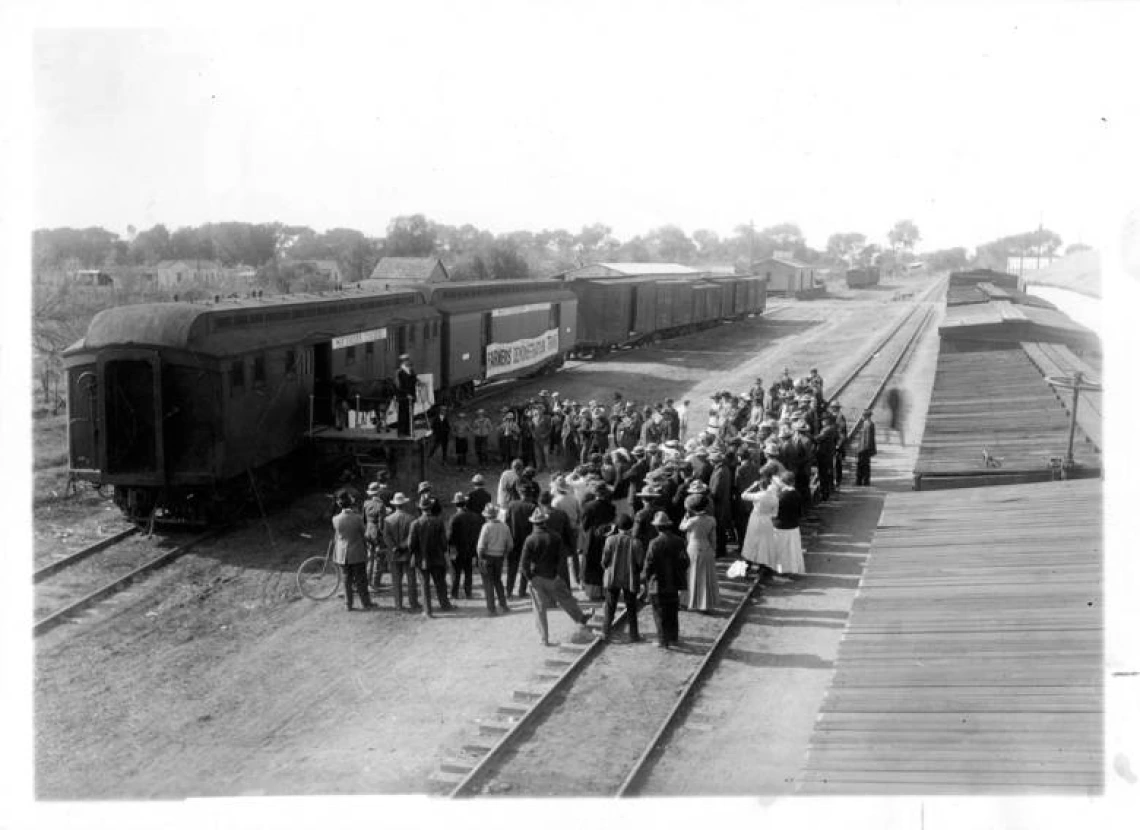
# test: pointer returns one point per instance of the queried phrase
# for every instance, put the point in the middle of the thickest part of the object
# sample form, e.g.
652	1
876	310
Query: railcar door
83	420
132	416
323	412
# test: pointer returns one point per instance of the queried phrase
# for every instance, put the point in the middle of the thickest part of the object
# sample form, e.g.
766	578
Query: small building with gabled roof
409	269
786	275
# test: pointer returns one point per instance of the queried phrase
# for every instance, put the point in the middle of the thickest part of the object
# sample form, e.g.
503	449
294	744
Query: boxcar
170	401
501	329
862	277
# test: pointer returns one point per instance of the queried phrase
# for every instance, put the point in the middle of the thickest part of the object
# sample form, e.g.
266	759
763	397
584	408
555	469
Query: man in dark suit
665	576
406	382
862	443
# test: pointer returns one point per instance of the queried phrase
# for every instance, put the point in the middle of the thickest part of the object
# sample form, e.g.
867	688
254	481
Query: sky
973	120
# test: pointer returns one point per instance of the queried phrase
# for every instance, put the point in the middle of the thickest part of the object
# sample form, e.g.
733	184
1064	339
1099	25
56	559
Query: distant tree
412	235
786	236
595	240
708	244
150	246
1077	247
504	262
845	246
947	259
191	243
669	243
90	247
904	235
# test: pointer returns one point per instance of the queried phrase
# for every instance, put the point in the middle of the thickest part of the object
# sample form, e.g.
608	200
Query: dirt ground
213	677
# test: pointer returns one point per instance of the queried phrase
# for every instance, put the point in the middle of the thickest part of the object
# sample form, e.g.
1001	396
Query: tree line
469	252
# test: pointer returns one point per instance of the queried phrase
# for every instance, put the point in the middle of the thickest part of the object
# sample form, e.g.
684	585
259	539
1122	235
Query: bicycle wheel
318	578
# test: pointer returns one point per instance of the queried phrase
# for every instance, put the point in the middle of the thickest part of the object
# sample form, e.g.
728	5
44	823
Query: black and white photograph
704	405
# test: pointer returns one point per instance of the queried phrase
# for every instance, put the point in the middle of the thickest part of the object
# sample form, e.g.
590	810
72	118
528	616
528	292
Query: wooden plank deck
1054	359
972	661
996	401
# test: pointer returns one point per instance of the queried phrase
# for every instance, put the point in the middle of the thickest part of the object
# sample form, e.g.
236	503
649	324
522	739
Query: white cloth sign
509	357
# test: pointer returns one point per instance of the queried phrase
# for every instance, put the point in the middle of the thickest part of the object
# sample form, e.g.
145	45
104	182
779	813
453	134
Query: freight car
862	277
617	312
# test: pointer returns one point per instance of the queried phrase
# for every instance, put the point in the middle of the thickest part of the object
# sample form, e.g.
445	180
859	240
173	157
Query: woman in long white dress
700	531
760	536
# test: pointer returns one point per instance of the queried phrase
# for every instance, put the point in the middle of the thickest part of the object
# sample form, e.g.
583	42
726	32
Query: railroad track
540	727
80	579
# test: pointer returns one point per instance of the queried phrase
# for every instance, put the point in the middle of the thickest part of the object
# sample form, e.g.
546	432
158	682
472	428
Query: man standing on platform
406	384
481	428
463	529
863	445
665	575
397	530
840	441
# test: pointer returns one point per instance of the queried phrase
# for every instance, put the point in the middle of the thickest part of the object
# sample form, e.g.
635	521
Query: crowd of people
640	504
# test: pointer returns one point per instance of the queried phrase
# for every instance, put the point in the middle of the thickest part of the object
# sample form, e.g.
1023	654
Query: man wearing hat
440	432
622	558
406	384
350	551
702	467
374	512
825	455
541	556
567	502
840	441
494	545
461	429
557	416
463	529
862	443
652	499
665	575
508	436
517	518
801	453
397	531
478	496
541	426
720	493
427	543
481	429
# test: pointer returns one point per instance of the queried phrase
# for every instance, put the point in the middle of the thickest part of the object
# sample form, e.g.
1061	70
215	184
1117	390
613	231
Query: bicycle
318	577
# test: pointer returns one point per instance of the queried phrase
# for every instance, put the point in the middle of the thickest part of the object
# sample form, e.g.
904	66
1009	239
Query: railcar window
350	356
290	362
369	348
237	375
259	369
412	334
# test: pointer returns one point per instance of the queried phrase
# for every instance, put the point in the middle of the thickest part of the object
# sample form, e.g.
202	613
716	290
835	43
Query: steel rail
62	564
57	617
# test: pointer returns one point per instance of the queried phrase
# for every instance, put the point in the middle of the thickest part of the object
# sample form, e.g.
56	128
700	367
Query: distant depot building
602	270
171	273
91	277
409	269
786	275
1022	265
326	268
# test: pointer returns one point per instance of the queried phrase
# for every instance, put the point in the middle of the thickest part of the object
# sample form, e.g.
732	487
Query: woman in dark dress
597	523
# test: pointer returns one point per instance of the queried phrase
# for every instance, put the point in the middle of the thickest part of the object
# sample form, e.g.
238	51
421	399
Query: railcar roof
186	325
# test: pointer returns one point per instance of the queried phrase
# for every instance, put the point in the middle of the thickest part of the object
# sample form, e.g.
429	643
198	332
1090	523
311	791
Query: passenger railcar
862	277
170	402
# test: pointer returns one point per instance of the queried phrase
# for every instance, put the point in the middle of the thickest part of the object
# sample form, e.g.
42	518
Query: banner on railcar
504	358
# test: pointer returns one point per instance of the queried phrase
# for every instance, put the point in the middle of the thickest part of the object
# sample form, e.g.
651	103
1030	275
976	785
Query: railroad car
171	403
862	277
177	404
501	329
1001	279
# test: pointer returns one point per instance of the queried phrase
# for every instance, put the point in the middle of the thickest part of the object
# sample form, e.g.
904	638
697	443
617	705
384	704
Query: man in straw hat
397	531
665	574
495	543
541	556
374	512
